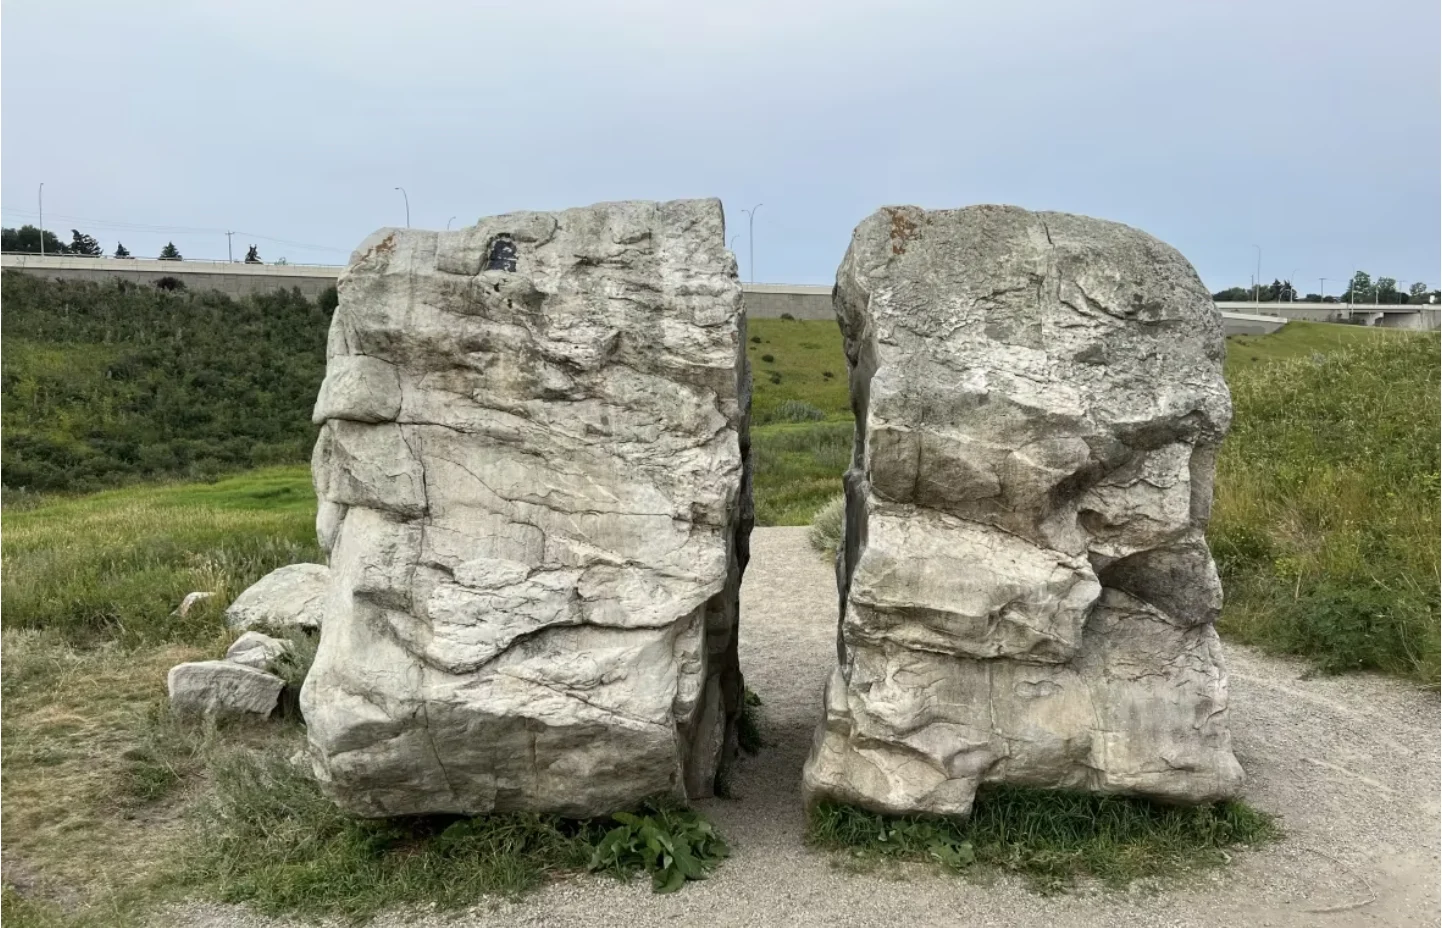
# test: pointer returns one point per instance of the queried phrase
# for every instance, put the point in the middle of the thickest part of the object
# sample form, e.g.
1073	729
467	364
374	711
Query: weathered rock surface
533	491
254	649
222	689
292	596
1026	593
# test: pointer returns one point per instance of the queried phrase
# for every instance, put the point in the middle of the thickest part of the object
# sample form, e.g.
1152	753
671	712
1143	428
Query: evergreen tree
85	245
253	255
121	251
170	252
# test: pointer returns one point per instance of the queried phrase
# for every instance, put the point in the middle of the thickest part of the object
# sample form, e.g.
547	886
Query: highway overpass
763	301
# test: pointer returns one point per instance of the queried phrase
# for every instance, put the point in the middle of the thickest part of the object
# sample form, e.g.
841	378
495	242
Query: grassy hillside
1325	525
107	384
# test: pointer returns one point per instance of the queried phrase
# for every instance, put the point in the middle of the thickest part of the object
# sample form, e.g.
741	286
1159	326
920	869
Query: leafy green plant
672	844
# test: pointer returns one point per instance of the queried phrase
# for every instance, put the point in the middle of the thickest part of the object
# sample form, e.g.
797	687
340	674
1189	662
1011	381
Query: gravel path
1350	763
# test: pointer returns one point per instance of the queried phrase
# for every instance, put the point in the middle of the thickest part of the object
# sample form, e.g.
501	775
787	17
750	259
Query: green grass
1051	838
107	384
1325	526
805	351
797	468
266	836
113	566
1298	340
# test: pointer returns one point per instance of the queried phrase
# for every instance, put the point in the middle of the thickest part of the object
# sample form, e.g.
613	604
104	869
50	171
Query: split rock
1026	592
533	489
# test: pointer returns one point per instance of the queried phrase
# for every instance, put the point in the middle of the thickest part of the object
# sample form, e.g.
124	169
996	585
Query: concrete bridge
763	301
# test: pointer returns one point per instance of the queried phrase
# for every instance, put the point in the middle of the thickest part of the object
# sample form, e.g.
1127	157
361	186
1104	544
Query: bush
768	358
828	528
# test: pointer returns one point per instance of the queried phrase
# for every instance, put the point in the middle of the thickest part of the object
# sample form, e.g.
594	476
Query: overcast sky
1307	127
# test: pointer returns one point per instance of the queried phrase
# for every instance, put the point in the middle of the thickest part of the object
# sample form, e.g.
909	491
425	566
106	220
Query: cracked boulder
1026	592
534	493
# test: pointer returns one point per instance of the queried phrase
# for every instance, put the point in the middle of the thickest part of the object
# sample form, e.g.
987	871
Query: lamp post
42	218
1322	287
408	206
1292	287
1257	281
448	223
751	238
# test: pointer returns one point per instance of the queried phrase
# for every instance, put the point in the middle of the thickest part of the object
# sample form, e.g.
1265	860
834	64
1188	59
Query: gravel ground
1349	763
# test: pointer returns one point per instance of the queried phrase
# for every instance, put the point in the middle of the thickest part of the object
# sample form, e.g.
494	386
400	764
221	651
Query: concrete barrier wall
763	301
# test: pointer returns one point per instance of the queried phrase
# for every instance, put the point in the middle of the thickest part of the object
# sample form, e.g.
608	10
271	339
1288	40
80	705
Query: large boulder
1026	593
290	597
533	491
222	689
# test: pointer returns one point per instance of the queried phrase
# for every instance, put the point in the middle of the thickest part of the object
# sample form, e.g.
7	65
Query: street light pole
229	255
751	238
408	206
448	223
42	218
1322	286
1292	287
1257	281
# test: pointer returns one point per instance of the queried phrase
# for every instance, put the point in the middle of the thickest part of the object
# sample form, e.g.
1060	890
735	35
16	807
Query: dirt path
1350	763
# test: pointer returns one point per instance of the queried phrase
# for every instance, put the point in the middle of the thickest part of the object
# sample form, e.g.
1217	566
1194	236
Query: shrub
768	358
828	527
756	339
788	316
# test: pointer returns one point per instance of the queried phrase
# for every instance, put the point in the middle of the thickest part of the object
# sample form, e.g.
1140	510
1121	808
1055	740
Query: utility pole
1257	281
751	238
408	206
229	256
42	218
1322	287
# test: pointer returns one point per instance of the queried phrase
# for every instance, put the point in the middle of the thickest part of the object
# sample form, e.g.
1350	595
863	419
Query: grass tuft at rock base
1051	838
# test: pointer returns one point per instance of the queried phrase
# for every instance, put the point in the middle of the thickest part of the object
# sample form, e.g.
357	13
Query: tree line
1360	289
27	240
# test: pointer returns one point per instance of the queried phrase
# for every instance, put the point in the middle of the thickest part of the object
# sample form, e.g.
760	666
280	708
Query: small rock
253	649
189	601
291	596
222	689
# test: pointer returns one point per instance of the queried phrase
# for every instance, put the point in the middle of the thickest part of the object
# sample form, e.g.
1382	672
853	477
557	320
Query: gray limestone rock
1027	596
222	689
254	649
292	596
533	487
